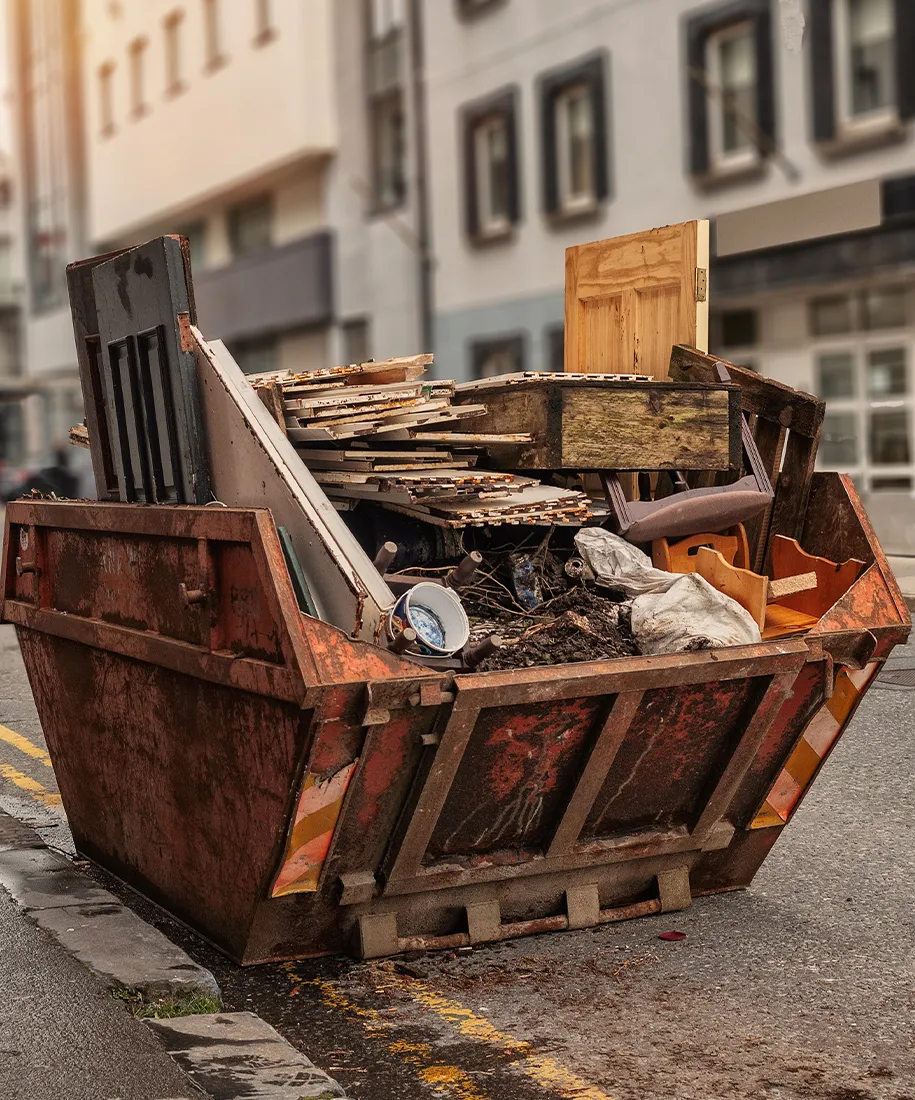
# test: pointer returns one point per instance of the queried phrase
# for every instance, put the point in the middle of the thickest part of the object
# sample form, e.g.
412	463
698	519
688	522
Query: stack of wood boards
383	432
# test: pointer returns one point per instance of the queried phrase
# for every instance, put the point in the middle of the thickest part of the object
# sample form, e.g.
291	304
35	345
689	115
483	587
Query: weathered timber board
618	425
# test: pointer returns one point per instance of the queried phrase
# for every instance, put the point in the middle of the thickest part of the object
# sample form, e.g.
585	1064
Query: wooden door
630	299
145	306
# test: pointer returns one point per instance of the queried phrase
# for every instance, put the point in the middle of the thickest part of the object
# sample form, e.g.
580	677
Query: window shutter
765	76
821	53
696	33
514	175
471	206
905	51
549	169
594	73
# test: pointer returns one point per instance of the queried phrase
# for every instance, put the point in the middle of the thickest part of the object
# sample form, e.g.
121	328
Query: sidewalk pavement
61	1032
904	568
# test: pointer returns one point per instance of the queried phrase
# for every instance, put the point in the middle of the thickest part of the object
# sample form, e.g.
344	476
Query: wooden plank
629	299
794	483
833	578
747	588
404	369
618	425
473	439
770	442
801	412
790	586
609	740
272	397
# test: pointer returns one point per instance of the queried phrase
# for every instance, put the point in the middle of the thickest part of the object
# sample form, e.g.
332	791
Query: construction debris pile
518	520
382	432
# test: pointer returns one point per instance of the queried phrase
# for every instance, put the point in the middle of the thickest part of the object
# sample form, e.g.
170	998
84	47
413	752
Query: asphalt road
800	988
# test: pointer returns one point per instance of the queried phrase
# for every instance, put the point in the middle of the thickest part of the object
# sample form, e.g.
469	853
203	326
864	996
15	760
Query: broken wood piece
680	556
79	435
790	586
272	397
833	578
747	588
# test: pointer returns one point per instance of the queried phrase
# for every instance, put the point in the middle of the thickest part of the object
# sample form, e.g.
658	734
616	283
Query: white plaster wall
376	259
267	106
303	351
515	41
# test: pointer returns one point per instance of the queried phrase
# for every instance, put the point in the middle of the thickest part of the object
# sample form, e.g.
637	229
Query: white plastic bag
691	614
615	563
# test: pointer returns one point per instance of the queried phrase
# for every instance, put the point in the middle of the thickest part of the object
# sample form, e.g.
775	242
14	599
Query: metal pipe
404	640
384	559
463	572
475	655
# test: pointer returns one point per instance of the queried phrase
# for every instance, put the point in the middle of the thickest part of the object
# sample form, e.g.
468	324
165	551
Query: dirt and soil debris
572	623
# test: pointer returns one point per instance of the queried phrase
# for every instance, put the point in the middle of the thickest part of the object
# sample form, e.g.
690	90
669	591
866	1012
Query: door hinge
701	284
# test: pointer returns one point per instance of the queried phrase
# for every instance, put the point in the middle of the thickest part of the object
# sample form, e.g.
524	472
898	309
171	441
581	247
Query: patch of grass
167	1008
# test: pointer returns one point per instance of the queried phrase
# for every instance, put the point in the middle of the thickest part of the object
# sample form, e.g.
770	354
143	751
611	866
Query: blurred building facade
558	123
48	210
275	135
13	386
373	177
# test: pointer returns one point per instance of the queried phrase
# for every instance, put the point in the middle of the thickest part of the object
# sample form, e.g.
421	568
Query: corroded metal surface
214	745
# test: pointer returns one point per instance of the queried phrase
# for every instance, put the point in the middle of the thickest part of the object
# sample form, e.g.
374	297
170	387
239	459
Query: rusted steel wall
290	791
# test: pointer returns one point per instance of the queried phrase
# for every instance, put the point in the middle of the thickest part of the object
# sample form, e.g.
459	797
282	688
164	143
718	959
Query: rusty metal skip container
287	790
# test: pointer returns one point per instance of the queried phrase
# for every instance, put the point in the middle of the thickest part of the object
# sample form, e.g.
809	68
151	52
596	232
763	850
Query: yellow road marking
546	1071
26	783
540	1068
447	1079
23	744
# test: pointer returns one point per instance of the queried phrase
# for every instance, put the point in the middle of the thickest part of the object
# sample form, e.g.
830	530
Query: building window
731	66
386	110
503	355
839	441
257	354
251	226
106	98
574	138
264	30
868	424
491	166
863	82
890	437
174	82
887	375
733	328
138	105
212	35
865	43
881	307
731	94
884	307
356	343
836	376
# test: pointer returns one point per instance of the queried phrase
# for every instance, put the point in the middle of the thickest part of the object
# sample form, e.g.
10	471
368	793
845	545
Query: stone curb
229	1055
237	1056
91	924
